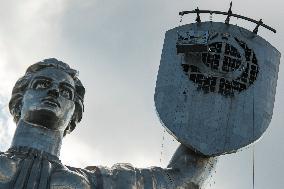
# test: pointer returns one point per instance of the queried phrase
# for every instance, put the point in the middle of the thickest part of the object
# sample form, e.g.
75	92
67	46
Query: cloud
116	46
7	127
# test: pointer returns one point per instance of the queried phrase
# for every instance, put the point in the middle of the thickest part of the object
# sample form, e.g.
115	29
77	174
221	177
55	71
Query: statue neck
37	137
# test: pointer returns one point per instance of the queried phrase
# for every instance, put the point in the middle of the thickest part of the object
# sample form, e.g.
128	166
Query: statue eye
66	93
41	84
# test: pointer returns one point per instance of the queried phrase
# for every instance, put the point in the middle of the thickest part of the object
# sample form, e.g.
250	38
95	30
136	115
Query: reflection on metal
221	100
215	93
33	162
27	168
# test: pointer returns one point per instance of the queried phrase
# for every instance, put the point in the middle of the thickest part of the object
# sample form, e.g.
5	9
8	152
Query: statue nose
54	92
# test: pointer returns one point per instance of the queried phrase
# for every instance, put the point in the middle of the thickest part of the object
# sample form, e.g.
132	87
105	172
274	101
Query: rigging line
162	146
253	166
253	153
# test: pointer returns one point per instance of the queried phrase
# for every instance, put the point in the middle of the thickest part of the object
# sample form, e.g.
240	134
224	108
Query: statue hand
186	165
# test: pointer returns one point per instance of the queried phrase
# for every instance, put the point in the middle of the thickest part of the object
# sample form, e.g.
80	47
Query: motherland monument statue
47	103
215	93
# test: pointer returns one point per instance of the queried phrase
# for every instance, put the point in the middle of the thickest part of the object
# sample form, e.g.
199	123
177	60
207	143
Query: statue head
49	95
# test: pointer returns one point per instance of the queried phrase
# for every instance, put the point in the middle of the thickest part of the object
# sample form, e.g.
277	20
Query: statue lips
51	101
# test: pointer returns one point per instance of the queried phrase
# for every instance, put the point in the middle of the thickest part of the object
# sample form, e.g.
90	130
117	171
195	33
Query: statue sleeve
125	176
186	169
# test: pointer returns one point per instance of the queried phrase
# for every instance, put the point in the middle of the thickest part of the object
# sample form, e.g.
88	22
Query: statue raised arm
187	170
47	103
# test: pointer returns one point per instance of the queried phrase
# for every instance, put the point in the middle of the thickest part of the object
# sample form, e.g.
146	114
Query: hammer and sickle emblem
228	67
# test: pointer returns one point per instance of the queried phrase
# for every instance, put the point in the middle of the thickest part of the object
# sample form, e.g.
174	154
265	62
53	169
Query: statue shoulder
63	175
8	167
2	154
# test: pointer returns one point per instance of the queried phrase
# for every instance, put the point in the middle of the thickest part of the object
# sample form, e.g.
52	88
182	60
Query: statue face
48	101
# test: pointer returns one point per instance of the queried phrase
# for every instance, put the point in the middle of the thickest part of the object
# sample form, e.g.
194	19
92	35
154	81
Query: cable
253	153
253	168
162	146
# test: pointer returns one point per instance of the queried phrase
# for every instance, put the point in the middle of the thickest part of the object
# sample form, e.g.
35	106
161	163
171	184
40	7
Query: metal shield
216	86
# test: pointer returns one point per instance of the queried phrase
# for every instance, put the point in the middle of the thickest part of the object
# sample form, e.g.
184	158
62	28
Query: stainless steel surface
28	168
47	103
220	101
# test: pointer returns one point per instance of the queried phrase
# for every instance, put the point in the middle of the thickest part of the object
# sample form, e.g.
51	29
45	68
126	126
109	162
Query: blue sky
116	46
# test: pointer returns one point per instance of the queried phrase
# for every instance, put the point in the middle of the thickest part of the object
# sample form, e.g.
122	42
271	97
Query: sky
116	46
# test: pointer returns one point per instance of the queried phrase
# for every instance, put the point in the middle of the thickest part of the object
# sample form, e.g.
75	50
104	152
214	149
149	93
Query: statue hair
15	104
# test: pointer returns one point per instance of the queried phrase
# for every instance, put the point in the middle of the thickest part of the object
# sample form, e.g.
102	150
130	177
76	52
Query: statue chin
44	117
